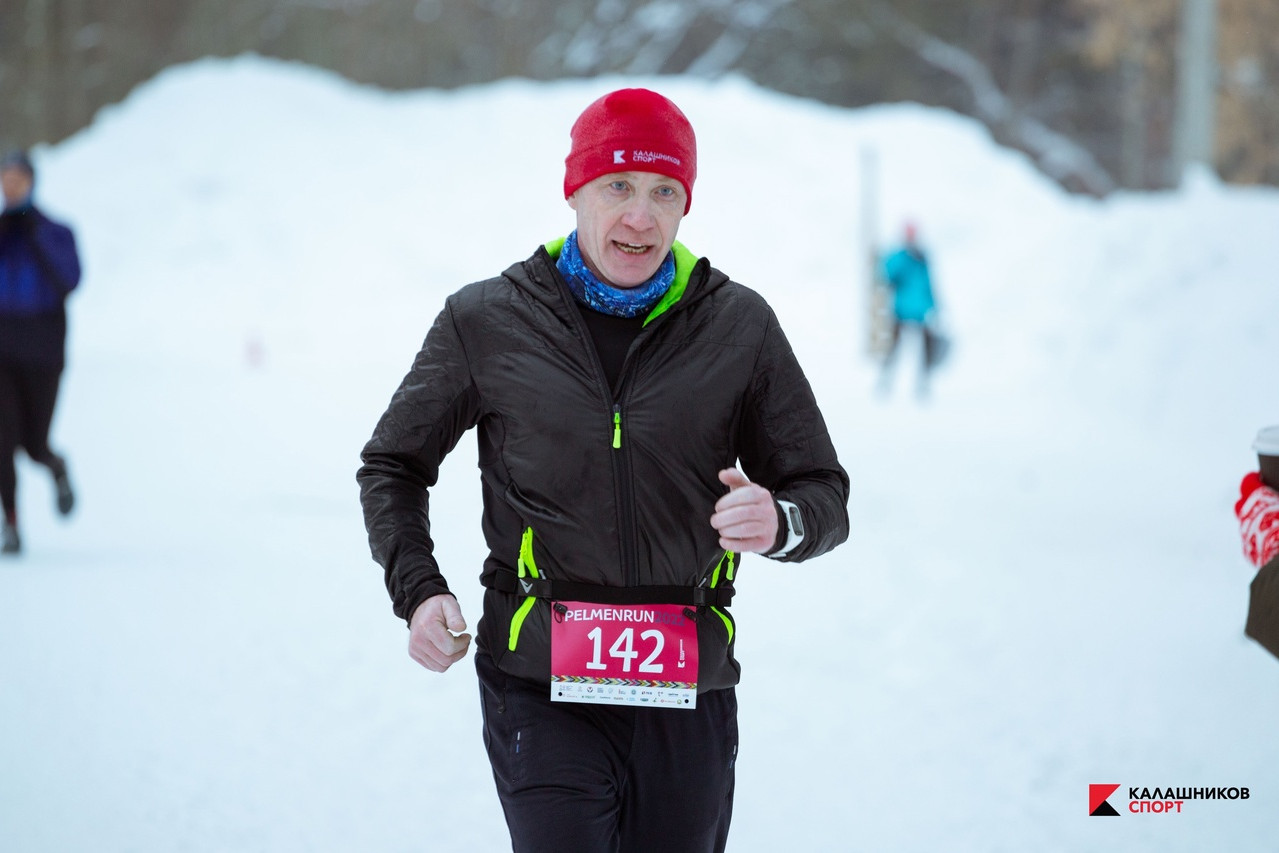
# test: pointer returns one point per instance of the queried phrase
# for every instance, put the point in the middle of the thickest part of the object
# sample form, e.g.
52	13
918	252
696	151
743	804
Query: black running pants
28	395
579	778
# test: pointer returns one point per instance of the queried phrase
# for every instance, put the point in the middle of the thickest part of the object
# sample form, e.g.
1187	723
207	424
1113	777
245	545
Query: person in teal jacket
907	273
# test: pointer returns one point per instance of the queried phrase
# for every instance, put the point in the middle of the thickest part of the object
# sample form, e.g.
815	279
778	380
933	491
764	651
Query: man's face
16	183
626	223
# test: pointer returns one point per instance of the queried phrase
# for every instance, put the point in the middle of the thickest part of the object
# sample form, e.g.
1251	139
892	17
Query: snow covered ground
1043	588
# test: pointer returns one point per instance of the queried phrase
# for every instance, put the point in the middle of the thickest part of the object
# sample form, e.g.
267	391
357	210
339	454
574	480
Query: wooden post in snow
878	323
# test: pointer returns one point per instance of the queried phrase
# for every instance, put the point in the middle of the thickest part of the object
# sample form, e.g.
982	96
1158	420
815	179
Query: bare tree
1058	155
1247	144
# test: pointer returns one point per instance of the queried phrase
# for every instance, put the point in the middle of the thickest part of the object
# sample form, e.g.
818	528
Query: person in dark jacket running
616	381
39	267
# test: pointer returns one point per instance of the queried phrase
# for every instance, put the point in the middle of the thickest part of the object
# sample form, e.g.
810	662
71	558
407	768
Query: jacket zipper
627	534
625	502
629	531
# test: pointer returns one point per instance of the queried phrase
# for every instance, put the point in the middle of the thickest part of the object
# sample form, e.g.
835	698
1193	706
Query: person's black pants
895	342
28	395
579	778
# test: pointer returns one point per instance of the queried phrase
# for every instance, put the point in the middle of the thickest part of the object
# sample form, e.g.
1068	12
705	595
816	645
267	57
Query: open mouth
631	248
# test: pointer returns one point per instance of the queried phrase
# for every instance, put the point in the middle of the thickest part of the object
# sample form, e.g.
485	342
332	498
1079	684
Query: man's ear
572	200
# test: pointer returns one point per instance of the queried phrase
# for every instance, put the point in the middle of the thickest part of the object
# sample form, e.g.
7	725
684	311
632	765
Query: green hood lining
684	263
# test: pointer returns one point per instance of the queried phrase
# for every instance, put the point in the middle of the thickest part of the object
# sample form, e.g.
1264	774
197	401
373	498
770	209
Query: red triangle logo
1097	795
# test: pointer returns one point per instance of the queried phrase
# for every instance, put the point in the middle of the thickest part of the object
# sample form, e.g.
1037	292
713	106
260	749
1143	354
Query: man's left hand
746	517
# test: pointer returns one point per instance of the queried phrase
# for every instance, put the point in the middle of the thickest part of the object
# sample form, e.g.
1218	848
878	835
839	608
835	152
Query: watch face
796	522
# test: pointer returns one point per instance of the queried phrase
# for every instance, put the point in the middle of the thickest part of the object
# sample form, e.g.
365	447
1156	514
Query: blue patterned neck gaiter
604	298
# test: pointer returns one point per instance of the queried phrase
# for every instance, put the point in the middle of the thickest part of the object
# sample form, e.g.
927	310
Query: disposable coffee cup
1267	447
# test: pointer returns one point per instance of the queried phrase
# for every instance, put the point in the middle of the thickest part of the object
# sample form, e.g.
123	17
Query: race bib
630	654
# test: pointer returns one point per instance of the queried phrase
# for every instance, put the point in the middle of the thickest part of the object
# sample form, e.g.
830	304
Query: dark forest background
1094	90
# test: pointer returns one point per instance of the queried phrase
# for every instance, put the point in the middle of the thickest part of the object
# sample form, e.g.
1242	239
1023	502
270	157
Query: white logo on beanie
619	156
654	156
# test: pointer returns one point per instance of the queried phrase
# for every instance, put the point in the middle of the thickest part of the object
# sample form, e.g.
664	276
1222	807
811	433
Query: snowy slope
1043	589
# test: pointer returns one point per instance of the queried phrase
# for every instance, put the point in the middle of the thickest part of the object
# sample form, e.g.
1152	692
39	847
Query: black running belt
562	590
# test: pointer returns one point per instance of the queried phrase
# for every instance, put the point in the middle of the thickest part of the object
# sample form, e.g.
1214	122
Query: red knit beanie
631	130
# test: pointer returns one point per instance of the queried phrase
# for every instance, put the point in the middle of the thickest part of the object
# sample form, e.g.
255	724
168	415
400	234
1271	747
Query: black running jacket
609	487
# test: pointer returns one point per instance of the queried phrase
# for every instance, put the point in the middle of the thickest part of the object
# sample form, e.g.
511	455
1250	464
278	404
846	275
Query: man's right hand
435	638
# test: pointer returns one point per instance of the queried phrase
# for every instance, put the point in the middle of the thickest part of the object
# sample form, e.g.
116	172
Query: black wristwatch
794	528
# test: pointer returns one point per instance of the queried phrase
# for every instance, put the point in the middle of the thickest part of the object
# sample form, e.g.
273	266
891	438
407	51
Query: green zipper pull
617	426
